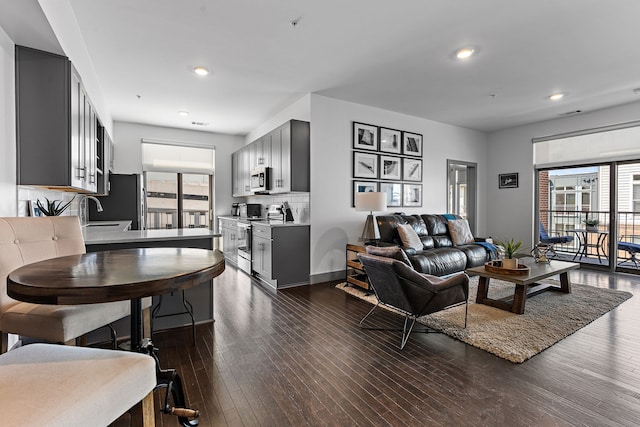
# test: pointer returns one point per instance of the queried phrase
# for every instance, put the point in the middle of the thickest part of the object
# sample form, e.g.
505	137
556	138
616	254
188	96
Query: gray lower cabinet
280	254
229	230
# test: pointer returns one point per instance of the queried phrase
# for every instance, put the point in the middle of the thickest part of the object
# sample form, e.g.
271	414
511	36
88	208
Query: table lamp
372	202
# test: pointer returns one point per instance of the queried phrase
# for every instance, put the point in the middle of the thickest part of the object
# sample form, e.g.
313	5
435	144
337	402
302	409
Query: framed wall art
394	193
411	170
508	180
412	144
365	165
390	167
412	195
365	137
34	210
390	141
363	187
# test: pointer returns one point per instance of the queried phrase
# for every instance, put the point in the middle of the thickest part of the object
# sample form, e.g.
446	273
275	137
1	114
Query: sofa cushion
409	237
460	232
477	255
439	261
436	224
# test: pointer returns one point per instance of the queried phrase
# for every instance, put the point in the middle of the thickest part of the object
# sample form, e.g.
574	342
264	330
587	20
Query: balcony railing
564	223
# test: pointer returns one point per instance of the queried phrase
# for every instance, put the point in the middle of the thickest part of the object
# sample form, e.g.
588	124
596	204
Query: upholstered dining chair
397	285
25	240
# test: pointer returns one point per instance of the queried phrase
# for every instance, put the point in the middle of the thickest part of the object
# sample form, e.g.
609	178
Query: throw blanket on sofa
491	248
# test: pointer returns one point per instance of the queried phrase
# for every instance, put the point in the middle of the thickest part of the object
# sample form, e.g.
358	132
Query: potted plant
591	224
53	206
510	248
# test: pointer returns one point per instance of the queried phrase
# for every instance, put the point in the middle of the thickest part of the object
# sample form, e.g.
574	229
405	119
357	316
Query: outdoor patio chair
632	249
553	240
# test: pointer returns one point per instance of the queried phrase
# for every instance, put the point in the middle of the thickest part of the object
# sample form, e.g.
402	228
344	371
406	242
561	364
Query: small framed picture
508	180
363	187
394	193
412	144
390	141
365	137
412	195
365	165
411	169
390	167
34	210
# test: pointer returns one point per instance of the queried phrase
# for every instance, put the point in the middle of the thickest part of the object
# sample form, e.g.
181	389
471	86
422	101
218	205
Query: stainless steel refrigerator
126	201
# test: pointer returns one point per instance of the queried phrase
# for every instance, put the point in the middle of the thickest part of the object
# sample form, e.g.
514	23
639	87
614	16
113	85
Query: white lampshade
372	202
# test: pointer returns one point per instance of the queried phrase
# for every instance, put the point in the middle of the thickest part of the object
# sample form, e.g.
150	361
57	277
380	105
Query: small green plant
591	222
510	247
53	206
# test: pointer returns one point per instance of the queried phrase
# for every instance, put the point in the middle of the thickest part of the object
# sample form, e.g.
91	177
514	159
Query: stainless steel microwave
260	179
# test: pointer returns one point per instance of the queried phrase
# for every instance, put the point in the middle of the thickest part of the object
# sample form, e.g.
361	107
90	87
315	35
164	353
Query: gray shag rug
548	318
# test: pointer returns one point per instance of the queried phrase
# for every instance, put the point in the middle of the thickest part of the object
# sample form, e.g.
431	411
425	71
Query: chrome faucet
95	199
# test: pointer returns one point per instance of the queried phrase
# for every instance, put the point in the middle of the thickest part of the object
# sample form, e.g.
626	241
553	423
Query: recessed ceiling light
466	52
183	113
556	96
201	71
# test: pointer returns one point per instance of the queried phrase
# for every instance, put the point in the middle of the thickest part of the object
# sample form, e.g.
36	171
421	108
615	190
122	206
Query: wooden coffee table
525	285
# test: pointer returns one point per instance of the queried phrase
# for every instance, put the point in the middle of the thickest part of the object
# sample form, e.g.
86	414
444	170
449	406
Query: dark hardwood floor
298	358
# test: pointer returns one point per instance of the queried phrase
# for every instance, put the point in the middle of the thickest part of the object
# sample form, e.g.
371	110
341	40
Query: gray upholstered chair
25	240
397	285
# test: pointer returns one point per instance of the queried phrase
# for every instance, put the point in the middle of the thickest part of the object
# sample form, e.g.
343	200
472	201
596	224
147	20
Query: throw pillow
460	232
409	237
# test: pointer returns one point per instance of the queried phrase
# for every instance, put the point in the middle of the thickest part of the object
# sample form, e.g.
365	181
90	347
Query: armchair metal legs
408	326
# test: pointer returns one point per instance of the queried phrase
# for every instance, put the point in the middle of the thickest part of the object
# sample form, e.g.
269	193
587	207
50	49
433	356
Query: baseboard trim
327	277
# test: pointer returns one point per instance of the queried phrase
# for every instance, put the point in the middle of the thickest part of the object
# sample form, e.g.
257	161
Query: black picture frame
508	180
390	140
394	193
365	137
362	187
411	195
390	168
365	165
411	169
412	144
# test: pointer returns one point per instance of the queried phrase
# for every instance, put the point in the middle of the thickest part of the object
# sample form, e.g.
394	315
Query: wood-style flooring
298	358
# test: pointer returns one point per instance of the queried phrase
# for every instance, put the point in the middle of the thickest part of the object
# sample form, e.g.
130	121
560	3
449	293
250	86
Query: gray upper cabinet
290	151
285	150
57	126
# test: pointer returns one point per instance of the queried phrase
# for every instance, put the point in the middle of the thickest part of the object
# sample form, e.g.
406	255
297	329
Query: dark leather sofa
439	255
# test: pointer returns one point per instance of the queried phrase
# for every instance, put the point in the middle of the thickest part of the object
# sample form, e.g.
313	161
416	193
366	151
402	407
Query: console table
355	273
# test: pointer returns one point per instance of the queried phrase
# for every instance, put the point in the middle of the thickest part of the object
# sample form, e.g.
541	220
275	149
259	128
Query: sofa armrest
409	251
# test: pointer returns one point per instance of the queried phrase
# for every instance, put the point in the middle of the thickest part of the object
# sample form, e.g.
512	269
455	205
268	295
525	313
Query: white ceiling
393	55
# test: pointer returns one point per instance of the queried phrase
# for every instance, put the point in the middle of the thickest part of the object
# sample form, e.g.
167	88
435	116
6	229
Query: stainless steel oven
244	246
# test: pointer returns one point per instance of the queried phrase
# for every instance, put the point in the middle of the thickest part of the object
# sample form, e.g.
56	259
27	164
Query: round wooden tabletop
113	275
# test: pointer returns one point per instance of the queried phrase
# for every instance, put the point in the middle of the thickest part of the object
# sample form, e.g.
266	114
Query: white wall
298	110
334	221
128	154
8	190
510	212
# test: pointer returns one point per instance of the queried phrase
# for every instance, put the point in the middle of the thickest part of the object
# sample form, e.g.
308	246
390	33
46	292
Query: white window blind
598	147
165	157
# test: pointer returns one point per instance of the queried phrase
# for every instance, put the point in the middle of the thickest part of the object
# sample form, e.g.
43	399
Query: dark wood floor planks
298	358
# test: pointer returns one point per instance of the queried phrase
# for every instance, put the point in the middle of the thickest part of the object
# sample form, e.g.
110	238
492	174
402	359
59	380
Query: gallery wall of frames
387	160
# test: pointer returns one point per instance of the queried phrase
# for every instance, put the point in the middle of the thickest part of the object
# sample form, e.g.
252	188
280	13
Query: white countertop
96	236
280	223
121	225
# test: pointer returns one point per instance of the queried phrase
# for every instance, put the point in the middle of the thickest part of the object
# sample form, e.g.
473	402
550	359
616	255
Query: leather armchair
396	284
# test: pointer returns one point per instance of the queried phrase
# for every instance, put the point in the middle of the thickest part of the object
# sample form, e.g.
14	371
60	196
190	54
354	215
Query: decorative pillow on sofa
409	237
460	232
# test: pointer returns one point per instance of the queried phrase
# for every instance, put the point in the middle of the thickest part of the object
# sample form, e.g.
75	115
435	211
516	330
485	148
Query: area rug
549	317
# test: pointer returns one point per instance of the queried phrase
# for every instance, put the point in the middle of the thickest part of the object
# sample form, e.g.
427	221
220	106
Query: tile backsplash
31	194
298	202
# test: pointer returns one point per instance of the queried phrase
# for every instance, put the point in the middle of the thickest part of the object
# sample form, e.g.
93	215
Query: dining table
123	274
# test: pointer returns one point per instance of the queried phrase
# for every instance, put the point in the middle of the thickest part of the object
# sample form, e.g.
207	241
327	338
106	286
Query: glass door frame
472	190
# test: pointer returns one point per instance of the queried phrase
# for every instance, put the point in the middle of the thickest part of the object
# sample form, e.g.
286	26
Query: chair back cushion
25	240
394	252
